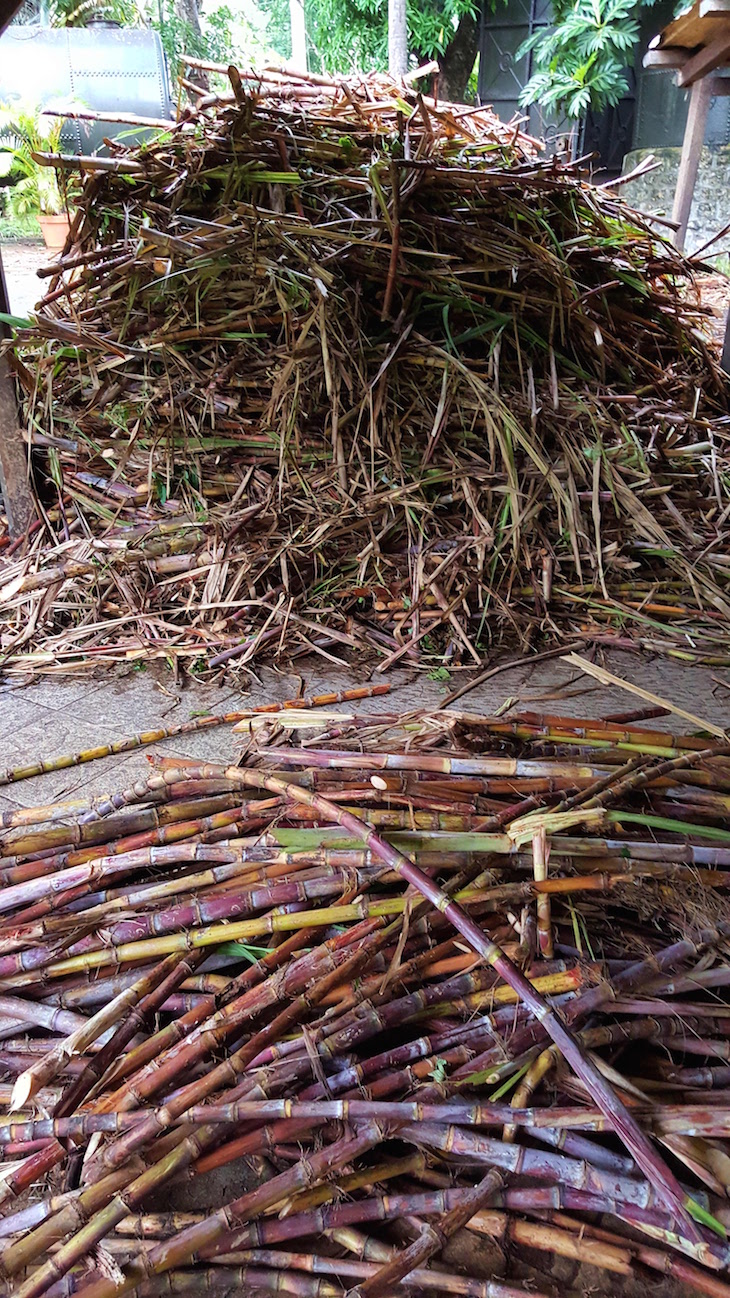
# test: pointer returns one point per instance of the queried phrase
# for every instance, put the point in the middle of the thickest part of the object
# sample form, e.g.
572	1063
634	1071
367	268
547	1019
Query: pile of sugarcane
354	371
445	994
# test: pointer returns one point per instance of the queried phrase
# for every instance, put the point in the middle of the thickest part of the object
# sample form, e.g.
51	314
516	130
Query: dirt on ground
714	293
21	261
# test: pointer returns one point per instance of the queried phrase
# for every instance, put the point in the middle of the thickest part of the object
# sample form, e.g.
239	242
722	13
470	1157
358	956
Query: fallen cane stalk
398	1023
663	1180
46	1069
431	1241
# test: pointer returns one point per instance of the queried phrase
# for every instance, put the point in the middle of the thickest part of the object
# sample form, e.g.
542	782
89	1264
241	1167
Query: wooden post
725	359
298	35
694	136
397	38
16	492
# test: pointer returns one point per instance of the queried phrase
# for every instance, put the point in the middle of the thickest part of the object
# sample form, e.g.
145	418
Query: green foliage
348	34
16	229
579	63
225	36
23	132
278	26
179	36
77	13
433	23
341	34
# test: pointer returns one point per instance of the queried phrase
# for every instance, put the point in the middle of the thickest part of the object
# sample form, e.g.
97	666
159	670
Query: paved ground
54	717
20	261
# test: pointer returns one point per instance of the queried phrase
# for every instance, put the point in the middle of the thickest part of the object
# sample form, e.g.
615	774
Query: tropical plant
580	62
224	34
24	132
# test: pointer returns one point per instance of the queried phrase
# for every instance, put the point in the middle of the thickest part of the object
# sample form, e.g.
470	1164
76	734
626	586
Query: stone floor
20	262
56	716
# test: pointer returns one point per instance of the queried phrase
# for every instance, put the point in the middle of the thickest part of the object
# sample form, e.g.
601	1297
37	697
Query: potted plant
35	191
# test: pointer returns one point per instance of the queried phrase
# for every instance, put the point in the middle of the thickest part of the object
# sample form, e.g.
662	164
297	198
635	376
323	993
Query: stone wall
654	193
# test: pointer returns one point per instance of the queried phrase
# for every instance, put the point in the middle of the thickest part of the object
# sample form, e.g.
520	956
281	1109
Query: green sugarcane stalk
146	737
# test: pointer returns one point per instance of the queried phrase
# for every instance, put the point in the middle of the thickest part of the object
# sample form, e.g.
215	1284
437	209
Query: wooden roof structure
696	27
8	10
695	45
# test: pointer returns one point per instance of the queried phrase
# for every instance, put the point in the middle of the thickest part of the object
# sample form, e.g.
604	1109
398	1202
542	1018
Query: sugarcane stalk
308	1171
660	1176
660	1119
144	738
149	994
182	1153
541	856
431	1240
392	1019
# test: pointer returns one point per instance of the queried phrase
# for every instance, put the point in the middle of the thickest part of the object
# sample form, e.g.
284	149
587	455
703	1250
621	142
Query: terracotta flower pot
54	230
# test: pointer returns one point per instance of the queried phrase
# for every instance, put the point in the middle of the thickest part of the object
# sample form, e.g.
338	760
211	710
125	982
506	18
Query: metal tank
101	67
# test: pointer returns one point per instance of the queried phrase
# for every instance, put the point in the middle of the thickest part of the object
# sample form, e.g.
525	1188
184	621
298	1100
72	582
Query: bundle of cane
403	977
357	372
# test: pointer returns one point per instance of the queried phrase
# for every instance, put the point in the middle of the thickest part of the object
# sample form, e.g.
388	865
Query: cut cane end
22	1092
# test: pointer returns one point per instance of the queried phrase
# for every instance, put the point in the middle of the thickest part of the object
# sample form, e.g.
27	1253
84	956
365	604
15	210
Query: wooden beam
725	359
714	8
14	487
720	87
672	58
17	496
8	10
16	493
694	136
708	59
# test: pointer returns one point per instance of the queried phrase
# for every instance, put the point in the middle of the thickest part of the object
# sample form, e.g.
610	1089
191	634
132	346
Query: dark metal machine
100	67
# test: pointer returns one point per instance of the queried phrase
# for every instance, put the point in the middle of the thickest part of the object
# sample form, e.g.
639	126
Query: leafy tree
181	31
78	13
349	34
580	62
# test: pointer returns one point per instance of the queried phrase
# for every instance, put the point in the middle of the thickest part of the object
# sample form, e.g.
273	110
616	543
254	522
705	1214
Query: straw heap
420	974
352	371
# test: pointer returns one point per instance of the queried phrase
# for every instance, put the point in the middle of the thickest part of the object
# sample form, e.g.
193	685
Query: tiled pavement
53	717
